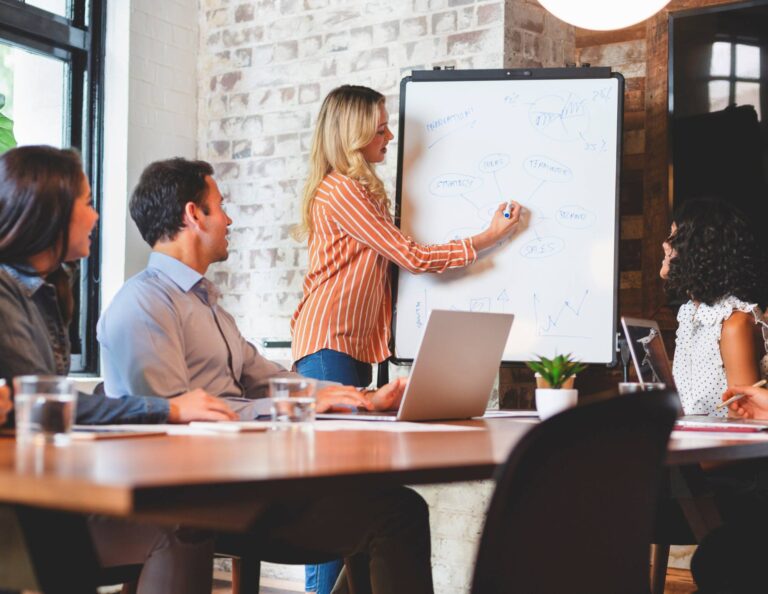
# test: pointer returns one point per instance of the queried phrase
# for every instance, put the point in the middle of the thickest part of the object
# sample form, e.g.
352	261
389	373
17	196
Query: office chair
573	509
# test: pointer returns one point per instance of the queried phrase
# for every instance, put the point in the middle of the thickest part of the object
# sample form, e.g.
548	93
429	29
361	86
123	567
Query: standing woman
713	261
342	324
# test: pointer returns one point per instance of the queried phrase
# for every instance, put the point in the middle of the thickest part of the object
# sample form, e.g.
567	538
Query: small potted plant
554	383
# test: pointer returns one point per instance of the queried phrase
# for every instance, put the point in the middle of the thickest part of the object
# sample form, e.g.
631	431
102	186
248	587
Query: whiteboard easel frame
436	75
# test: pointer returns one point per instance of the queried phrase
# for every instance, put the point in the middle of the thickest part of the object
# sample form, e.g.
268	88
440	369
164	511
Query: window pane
747	61
718	94
33	87
60	7
721	59
748	93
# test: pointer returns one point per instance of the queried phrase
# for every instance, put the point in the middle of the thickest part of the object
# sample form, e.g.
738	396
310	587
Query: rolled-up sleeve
362	220
96	409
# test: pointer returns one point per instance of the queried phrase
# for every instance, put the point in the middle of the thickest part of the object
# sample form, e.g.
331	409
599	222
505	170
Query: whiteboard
552	144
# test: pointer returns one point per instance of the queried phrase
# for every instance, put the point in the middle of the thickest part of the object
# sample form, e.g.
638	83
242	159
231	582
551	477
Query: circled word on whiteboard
493	162
547	169
454	184
574	217
542	247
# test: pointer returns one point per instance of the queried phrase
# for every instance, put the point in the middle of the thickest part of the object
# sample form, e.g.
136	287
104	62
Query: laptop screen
646	346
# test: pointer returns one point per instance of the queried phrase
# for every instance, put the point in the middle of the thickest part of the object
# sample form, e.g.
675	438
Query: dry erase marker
733	399
508	209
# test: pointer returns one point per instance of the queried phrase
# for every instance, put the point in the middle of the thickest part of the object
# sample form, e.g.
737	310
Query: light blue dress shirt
165	334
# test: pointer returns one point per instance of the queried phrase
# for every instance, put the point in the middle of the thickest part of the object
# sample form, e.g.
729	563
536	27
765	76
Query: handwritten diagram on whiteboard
551	145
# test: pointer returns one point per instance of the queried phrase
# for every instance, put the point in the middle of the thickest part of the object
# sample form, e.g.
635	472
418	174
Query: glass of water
45	408
293	401
631	387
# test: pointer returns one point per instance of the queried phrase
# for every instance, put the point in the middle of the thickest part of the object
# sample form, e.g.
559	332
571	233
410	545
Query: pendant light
603	15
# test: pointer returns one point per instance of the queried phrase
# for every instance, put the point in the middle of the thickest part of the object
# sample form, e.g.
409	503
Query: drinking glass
630	387
45	408
293	401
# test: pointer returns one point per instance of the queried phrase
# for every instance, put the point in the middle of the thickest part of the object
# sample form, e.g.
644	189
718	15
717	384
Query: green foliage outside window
7	139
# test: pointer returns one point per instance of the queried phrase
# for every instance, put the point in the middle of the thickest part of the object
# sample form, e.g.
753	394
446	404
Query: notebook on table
453	371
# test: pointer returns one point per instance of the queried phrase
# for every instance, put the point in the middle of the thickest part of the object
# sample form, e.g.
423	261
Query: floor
679	581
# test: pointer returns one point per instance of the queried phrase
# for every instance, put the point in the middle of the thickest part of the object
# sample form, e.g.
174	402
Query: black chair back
573	509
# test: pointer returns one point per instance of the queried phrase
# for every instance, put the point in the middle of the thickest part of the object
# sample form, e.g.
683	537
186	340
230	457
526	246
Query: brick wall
263	70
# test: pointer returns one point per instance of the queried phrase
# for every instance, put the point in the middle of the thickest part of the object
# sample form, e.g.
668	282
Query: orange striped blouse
347	301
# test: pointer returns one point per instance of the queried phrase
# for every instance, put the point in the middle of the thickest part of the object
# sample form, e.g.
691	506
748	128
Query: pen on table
733	399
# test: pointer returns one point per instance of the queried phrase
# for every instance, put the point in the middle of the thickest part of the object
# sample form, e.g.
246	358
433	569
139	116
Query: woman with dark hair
46	219
713	262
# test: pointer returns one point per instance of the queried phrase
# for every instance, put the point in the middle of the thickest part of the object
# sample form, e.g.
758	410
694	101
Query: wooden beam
656	176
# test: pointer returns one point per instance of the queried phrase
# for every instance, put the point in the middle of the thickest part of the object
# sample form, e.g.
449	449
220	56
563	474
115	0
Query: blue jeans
334	366
339	367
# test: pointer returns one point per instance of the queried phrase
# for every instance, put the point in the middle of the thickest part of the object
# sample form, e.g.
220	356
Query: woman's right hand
499	228
754	405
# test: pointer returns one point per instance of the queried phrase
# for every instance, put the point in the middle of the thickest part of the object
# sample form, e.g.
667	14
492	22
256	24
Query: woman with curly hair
712	260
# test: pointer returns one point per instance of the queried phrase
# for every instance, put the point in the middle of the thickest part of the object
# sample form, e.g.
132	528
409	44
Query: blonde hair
347	123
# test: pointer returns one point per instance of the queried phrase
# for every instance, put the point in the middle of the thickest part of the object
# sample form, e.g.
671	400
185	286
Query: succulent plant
557	370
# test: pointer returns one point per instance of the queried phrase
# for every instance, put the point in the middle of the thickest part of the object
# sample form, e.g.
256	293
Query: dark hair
38	188
717	254
157	204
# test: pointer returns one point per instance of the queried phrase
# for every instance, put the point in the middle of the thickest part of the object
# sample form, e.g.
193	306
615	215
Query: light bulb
603	15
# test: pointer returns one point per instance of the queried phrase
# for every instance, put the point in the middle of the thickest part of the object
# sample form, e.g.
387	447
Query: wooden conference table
222	481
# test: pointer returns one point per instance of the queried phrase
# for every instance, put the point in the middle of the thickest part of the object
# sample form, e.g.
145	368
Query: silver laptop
454	369
646	347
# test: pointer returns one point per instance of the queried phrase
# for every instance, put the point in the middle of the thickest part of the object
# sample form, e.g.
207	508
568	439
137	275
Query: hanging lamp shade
603	15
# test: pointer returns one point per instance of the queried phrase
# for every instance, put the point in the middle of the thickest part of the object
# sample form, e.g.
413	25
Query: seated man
165	332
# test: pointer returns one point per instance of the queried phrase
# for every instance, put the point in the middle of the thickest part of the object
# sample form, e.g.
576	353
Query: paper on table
501	414
394	426
720	435
232	426
164	428
94	432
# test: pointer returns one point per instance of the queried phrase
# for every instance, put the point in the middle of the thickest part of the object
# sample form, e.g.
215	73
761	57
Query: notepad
94	432
704	423
232	426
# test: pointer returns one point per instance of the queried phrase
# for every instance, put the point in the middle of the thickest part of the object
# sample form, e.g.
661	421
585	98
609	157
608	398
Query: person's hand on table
388	397
341	399
199	405
344	398
5	402
754	405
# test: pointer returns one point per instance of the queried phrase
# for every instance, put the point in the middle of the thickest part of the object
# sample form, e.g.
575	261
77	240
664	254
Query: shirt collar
181	274
26	276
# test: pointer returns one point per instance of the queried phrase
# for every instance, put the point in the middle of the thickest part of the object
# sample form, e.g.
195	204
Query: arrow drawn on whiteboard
547	325
503	300
457	129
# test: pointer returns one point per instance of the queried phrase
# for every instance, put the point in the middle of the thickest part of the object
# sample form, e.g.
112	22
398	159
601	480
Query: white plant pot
550	401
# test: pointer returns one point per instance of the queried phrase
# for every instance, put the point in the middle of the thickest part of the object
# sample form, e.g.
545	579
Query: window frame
732	79
78	40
